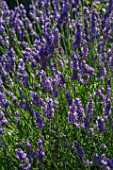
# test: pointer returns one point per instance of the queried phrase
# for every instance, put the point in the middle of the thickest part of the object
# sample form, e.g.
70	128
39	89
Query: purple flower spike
39	120
100	124
22	158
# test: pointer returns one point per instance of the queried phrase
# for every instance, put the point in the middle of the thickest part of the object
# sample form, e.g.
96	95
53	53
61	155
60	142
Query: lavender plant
56	85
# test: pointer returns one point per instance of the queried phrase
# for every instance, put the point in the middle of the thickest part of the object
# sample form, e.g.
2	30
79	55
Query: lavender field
56	85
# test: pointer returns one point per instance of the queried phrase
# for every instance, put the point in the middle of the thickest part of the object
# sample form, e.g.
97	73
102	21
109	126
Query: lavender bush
56	85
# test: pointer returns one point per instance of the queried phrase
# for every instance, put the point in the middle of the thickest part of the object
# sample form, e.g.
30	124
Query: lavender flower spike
22	158
100	124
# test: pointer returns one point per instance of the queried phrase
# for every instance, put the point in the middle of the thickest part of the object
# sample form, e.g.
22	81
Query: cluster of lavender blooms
22	158
3	121
40	151
56	76
76	113
26	159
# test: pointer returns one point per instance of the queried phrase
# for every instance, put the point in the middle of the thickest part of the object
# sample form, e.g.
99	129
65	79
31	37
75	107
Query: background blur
13	3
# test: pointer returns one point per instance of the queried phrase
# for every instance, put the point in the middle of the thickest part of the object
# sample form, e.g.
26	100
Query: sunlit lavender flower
84	49
49	108
87	162
102	70
107	107
91	131
76	39
64	14
76	113
39	121
60	62
94	26
71	116
100	95
107	168
87	69
103	160
3	119
86	22
106	14
28	145
47	85
36	100
89	112
77	69
90	106
103	146
97	157
72	113
22	158
100	124
79	109
108	89
40	151
4	103
16	113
